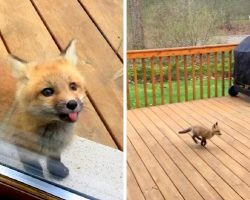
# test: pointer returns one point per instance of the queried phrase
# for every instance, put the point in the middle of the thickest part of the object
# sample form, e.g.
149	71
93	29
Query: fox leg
199	138
56	167
194	138
30	162
203	142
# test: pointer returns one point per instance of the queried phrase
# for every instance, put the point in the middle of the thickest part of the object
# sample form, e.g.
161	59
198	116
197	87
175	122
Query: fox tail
185	131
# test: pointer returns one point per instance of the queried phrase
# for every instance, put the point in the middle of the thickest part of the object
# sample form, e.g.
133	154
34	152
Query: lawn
174	91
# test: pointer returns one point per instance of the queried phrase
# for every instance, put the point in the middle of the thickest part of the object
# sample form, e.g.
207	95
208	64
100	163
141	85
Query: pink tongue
73	116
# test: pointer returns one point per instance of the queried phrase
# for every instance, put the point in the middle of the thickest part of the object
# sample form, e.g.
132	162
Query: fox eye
73	86
47	92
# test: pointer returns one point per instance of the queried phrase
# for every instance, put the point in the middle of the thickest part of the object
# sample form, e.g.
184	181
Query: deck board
3	50
108	14
154	167
67	20
145	181
240	133
229	114
188	169
20	25
27	36
220	147
133	187
219	171
233	135
7	99
217	158
176	176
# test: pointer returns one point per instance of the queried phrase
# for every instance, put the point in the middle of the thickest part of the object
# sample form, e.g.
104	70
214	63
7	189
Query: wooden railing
160	76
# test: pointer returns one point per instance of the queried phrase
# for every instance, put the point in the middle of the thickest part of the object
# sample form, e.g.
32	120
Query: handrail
148	53
175	73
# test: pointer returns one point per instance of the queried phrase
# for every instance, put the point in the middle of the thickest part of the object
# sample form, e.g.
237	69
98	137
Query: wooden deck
37	29
165	165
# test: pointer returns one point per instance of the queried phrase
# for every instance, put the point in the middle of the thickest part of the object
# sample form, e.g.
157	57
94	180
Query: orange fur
34	112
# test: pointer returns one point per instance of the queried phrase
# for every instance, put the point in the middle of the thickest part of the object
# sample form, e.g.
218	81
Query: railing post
201	76
216	73
178	78
170	93
193	76
161	81
128	95
185	77
223	72
208	75
137	101
144	71
230	68
153	80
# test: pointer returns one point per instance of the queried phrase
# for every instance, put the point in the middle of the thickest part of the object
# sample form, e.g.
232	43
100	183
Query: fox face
216	129
53	90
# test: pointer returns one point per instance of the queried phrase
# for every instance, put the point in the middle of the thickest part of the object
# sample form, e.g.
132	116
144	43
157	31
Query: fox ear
70	53
18	67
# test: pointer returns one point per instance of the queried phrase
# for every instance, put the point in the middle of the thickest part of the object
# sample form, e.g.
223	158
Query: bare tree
137	25
166	23
184	23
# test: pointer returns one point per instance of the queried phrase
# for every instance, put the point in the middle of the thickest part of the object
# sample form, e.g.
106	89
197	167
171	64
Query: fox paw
57	168
203	143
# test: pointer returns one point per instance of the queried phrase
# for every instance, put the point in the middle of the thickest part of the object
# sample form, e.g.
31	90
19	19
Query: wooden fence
160	76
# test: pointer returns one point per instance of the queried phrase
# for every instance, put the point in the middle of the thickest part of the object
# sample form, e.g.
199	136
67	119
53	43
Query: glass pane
45	114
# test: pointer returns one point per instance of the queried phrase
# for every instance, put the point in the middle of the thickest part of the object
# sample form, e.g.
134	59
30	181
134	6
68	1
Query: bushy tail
185	131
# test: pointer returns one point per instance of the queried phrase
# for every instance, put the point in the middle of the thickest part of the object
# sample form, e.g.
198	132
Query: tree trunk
137	26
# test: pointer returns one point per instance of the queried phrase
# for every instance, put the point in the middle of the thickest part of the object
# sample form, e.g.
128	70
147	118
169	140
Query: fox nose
72	104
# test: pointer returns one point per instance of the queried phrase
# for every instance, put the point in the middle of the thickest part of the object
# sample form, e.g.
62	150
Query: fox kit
49	98
202	133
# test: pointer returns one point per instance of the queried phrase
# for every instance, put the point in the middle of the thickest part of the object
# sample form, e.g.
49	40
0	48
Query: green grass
174	91
173	69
